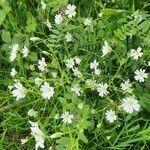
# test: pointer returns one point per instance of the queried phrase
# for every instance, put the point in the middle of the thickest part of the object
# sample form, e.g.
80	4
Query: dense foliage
75	74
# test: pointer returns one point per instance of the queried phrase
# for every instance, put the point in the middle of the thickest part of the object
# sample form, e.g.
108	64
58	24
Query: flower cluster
72	64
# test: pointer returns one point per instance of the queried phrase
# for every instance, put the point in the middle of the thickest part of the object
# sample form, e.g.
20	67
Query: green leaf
113	11
2	16
6	36
134	128
33	56
31	23
145	26
82	137
57	4
56	135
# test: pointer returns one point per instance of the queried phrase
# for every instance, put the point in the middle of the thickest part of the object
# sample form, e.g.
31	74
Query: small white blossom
76	72
13	72
137	15
106	48
43	5
14	51
42	64
87	22
111	116
97	72
34	39
37	134
102	89
54	74
70	12
68	37
94	65
32	113
38	81
140	75
76	89
130	104
136	53
77	60
23	141
18	91
25	51
58	19
126	86
66	117
48	24
47	91
70	63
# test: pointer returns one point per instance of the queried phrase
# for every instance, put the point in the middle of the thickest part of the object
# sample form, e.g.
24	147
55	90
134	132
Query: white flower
42	64
97	72
106	48
58	19
76	72
68	37
70	63
37	134
47	91
34	39
38	81
130	104
66	117
76	89
25	51
48	24
137	15
14	51
140	75
77	60
18	91
148	63
94	64
102	89
126	86
23	141
87	22
70	11
43	5
54	74
136	53
32	113
110	116
13	72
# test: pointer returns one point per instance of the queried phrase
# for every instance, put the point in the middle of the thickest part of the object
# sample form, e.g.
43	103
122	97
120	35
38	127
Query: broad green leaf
6	36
